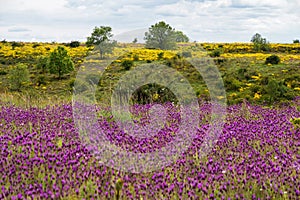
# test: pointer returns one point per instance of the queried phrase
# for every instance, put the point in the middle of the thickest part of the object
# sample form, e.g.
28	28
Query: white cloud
202	20
18	29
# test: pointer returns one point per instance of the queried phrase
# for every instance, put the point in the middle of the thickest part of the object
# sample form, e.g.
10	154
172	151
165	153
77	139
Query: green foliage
296	41
242	79
152	93
60	62
181	37
273	59
231	83
295	122
18	77
216	53
135	40
127	64
160	36
72	83
41	80
118	187
136	57
36	45
59	142
260	43
277	90
16	44
74	44
101	39
99	35
160	55
3	72
106	47
42	64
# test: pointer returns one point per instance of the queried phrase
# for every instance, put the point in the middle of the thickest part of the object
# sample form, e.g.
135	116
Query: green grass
236	73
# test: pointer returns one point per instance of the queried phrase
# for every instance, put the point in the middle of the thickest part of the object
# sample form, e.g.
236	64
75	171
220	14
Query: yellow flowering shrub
34	50
257	96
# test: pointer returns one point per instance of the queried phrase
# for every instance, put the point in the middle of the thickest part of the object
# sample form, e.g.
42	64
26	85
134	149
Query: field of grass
244	72
43	154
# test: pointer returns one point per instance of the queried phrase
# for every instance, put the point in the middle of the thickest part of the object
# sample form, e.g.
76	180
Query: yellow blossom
155	96
257	96
255	77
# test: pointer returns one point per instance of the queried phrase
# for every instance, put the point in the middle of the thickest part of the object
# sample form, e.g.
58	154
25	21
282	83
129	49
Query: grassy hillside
244	72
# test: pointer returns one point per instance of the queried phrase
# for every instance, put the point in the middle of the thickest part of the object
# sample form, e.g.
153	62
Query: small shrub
74	44
296	41
273	59
220	61
232	83
42	64
215	53
72	82
2	72
264	80
186	54
16	44
160	55
127	64
41	80
255	88
168	63
35	45
136	57
18	76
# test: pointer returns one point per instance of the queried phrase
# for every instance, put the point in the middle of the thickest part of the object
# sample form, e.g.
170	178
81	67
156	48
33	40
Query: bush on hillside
273	59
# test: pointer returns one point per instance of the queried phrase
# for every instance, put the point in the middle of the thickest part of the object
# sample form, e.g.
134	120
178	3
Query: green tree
181	37
260	43
160	36
60	62
42	64
74	44
18	76
101	39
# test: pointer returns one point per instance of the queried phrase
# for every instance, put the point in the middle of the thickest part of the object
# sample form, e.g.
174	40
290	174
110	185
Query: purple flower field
256	157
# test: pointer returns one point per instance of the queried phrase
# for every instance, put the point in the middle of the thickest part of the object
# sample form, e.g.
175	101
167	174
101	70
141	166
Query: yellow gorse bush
33	50
248	47
141	54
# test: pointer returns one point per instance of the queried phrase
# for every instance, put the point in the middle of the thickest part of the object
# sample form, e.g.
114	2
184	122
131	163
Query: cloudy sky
201	20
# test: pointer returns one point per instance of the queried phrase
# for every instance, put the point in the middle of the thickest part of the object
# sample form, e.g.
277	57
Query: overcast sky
201	20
